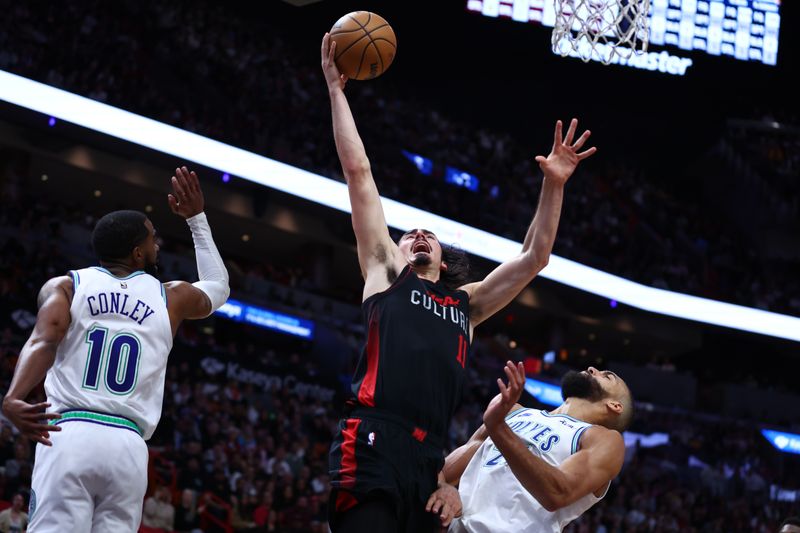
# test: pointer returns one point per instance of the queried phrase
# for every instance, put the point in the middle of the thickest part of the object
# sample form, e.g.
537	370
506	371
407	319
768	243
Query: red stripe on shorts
345	501
347	469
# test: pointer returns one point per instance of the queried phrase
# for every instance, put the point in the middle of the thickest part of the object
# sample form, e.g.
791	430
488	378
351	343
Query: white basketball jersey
492	497
113	358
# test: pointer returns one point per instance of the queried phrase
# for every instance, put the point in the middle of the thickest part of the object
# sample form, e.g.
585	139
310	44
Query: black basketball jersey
414	361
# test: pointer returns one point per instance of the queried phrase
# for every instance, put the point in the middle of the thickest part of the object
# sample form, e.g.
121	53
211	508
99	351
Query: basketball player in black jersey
386	458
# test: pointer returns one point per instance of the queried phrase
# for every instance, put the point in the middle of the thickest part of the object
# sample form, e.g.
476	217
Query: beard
421	259
579	385
152	269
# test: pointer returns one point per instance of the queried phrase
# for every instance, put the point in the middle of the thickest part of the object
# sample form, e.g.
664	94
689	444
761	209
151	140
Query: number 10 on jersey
120	366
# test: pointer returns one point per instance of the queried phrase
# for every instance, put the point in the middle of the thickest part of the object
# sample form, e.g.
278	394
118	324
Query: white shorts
92	480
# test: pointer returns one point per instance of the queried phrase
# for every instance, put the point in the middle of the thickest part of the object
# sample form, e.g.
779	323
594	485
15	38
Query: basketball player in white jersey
101	342
533	470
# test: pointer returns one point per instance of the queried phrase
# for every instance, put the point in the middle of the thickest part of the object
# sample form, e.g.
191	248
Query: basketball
365	45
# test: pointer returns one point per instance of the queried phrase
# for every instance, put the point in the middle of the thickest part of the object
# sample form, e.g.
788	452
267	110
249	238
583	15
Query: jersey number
494	461
121	364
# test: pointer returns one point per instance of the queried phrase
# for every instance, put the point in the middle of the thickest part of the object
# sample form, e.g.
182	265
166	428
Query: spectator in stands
14	519
264	510
187	514
159	513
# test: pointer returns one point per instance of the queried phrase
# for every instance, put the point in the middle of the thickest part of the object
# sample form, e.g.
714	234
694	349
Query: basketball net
601	29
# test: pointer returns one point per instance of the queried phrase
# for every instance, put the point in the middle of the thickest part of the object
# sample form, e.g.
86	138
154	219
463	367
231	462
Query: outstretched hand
564	157
509	395
186	199
334	78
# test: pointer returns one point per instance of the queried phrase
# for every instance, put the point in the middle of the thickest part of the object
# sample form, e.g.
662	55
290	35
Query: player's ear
443	268
615	406
138	254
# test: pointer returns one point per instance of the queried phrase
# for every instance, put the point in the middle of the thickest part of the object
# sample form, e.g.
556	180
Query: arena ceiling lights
247	165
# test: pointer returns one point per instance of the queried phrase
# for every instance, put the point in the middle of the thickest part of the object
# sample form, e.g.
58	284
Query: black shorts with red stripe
376	455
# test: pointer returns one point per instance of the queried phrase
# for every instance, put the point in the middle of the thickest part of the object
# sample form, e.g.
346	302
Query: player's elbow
357	170
537	261
550	507
554	498
226	291
553	503
43	345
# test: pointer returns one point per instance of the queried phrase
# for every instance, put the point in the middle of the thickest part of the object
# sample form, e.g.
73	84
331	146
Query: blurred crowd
248	450
205	69
253	456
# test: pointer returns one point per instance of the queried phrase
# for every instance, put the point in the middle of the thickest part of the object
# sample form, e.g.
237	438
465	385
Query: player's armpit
456	462
375	245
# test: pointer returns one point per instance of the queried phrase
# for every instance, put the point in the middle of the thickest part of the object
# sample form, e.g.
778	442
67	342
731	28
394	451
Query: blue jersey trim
576	439
545	413
133	275
163	293
76	279
515	411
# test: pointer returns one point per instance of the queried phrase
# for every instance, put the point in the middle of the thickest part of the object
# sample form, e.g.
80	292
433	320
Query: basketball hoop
601	29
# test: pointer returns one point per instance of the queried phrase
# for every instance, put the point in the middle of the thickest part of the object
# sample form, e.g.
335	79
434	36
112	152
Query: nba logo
371	438
123	285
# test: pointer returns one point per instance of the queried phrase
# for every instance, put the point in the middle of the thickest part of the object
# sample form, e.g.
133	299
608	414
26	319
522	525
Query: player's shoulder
597	436
176	285
177	288
59	283
518	408
469	288
59	286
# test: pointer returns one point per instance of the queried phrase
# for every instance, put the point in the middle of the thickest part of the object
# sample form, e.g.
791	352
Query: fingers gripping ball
365	45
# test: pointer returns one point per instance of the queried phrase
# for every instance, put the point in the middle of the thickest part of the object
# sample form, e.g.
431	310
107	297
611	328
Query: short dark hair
791	521
118	233
628	411
457	261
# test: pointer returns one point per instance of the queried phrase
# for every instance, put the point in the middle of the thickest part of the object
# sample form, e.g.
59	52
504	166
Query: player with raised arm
101	342
533	470
419	314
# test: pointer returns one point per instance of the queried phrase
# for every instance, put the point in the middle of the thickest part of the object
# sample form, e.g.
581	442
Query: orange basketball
365	45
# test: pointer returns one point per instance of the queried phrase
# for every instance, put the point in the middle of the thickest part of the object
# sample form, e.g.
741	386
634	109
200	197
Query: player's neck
427	272
119	268
576	408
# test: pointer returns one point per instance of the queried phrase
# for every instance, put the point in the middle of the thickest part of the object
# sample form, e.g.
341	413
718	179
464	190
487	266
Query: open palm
501	404
564	157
